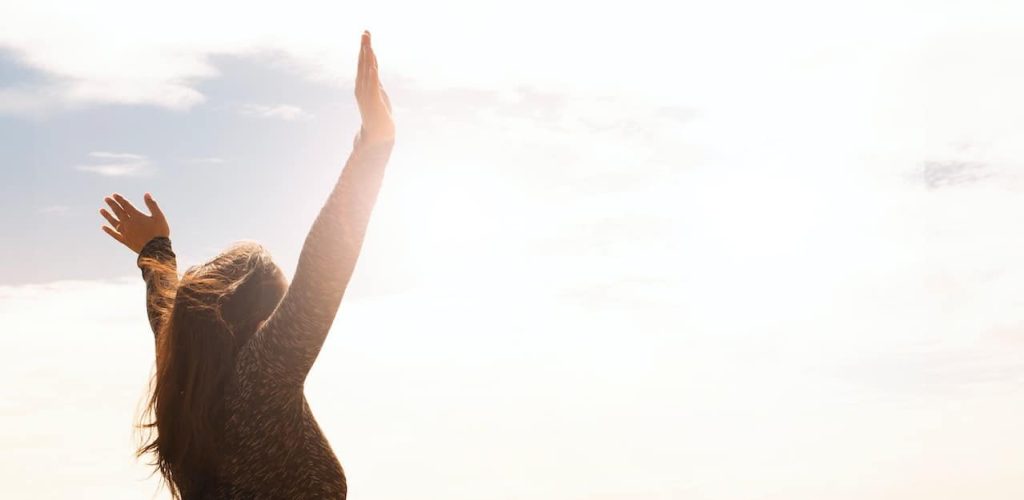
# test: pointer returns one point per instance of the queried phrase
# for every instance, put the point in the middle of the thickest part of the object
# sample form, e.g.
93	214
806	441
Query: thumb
153	207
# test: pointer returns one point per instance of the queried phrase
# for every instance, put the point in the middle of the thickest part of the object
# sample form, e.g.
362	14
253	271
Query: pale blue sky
222	172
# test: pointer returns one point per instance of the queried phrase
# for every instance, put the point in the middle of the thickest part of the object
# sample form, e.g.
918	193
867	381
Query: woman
234	342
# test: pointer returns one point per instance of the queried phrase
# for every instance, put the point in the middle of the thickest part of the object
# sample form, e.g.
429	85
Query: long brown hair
215	309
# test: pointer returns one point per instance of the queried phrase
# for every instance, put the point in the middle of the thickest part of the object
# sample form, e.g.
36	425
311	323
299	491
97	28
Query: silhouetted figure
234	342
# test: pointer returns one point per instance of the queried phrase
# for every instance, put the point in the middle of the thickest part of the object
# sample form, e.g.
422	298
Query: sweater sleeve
159	270
288	343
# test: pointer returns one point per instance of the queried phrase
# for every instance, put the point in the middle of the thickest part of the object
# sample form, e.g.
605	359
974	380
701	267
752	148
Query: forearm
335	240
157	262
299	326
349	207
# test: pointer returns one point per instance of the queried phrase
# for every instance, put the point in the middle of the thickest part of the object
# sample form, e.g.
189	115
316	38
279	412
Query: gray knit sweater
274	447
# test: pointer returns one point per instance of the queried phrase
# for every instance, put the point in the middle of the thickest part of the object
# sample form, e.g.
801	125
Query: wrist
373	140
158	247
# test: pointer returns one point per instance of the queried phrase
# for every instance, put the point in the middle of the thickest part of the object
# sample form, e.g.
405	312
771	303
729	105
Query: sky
718	250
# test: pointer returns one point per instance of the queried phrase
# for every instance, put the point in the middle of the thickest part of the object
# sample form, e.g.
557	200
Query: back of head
216	309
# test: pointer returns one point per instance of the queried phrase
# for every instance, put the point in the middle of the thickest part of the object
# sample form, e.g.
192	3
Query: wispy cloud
29	102
55	210
116	156
210	160
117	164
285	112
939	174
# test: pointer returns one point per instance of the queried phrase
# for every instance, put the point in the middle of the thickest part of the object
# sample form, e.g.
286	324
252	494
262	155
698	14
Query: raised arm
160	271
290	340
147	236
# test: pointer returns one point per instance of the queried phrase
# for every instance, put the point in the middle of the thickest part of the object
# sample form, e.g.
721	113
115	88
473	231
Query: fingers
368	78
373	60
114	234
118	210
373	78
127	205
110	218
361	70
368	87
153	207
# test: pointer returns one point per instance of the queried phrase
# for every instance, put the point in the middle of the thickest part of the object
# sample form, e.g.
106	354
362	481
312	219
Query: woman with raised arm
234	342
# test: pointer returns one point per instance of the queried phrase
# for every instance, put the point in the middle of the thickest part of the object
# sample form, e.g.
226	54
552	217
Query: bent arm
290	340
159	270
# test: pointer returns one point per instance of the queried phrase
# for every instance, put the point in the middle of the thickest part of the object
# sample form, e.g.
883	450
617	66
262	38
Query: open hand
374	105
130	226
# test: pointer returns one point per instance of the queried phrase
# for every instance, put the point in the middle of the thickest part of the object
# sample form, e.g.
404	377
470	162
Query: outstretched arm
160	271
290	340
148	236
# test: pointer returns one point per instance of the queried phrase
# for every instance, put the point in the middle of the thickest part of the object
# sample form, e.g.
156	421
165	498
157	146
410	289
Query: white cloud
116	156
113	169
209	160
281	111
31	102
699	58
55	210
117	164
677	390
